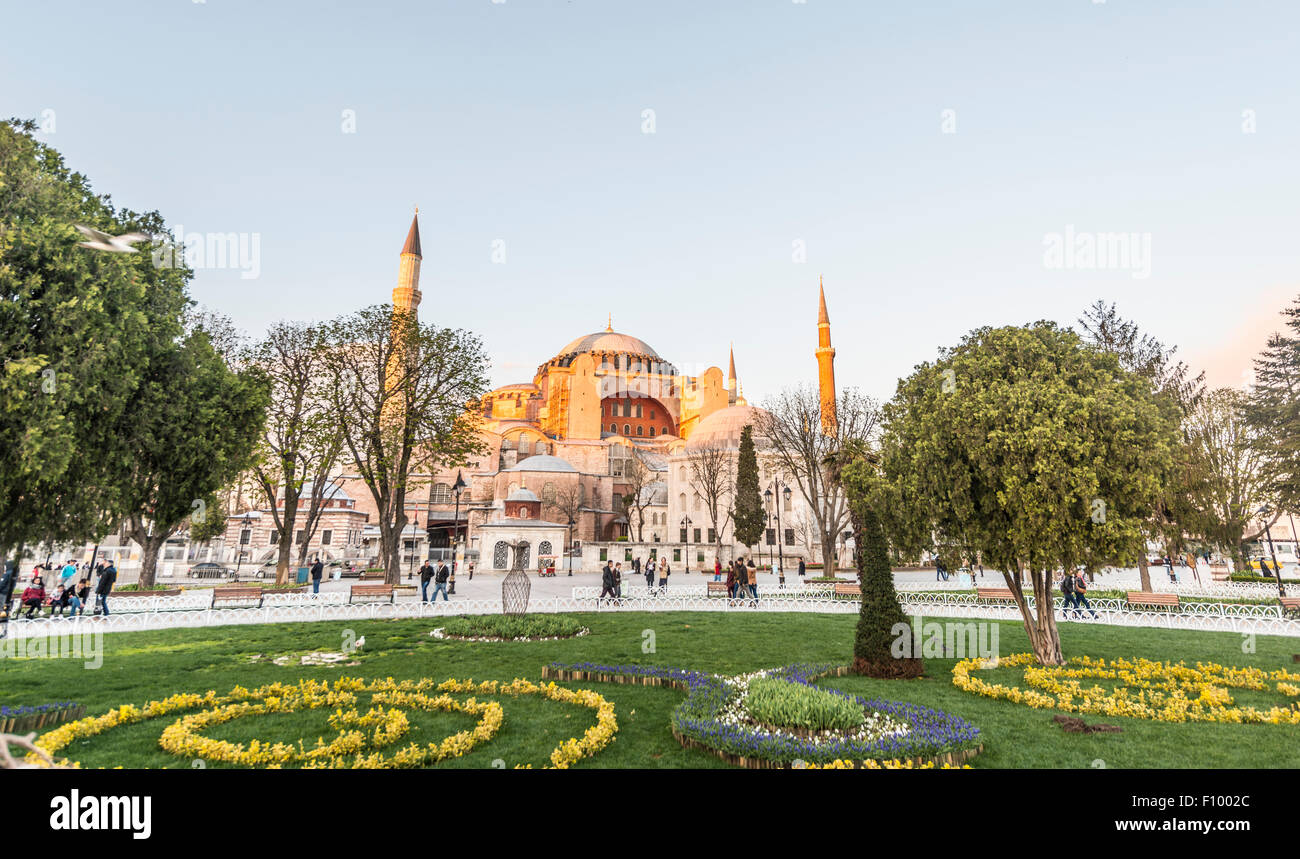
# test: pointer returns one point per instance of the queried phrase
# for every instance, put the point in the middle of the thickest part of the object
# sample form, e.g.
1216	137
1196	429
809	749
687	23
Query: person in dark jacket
440	582
650	573
426	576
802	567
607	580
105	586
8	581
317	570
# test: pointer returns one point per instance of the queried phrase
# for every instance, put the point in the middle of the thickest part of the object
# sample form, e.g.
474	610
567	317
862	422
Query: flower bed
20	720
1145	689
362	737
713	718
502	627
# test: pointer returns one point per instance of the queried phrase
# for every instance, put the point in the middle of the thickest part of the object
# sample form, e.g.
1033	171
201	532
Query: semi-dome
610	341
724	426
543	462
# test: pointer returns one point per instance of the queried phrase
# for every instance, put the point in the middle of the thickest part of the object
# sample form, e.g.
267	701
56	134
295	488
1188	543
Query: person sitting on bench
33	597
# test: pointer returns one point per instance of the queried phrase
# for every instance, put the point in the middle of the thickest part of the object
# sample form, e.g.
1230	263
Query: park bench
372	576
1146	600
717	589
994	595
847	589
237	595
1290	605
376	592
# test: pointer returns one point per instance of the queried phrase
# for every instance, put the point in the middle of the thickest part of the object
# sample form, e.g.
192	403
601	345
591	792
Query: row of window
640	430
629	410
326	537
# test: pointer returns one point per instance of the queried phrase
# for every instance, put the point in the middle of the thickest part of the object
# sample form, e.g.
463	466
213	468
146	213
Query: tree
192	428
77	331
880	613
405	395
568	503
1239	478
713	474
1274	409
1030	448
791	423
637	478
302	441
1177	391
747	504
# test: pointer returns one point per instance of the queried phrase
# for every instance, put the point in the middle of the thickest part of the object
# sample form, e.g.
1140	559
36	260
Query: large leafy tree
300	445
748	515
192	426
78	331
404	394
1028	447
1274	408
1174	514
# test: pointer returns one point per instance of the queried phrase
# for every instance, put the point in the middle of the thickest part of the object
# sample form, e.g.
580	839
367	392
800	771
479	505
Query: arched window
441	493
699	502
613	427
548	493
638	410
681	473
544	547
652	432
525	447
665	430
499	555
627	429
640	430
652	414
681	501
523	512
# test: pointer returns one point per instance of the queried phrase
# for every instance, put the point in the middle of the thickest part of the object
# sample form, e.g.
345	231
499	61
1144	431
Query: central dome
610	341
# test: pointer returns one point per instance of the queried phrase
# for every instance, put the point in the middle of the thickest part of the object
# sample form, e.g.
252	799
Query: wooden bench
847	589
994	595
372	576
717	589
1290	605
377	592
237	594
1144	599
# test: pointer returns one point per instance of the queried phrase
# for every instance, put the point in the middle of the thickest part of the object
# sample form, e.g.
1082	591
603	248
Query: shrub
512	626
794	705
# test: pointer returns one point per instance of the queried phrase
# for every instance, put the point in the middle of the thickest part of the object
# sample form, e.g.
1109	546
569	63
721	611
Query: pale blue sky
775	121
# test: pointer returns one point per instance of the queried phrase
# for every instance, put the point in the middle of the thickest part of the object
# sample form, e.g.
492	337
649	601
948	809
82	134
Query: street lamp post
1277	571
569	552
456	490
785	493
415	526
686	541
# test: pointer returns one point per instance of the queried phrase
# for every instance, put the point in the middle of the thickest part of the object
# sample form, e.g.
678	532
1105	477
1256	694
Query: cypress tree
880	612
747	508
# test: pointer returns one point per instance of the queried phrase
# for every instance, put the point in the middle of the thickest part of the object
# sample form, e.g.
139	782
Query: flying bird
114	244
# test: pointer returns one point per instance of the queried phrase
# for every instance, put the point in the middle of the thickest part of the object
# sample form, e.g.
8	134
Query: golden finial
417	210
610	326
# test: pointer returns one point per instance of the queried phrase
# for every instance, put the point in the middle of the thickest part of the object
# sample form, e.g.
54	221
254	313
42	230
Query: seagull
361	642
115	244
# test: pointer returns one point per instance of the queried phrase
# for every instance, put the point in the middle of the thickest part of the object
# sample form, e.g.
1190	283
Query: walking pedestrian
607	581
440	580
650	573
426	576
1080	594
618	581
663	573
717	570
1067	590
105	586
802	568
752	574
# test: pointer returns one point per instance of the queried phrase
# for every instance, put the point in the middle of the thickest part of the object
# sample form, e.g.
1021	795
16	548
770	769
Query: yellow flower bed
360	737
1143	688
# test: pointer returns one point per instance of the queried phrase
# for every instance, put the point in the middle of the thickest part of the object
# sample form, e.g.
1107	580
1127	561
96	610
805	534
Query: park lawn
138	667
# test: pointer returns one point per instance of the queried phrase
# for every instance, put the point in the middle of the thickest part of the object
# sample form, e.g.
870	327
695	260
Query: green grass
138	667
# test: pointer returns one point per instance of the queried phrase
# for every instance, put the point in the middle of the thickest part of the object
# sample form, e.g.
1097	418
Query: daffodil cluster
1138	688
362	738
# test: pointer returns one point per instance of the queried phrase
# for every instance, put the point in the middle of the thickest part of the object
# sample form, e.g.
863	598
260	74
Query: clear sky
774	122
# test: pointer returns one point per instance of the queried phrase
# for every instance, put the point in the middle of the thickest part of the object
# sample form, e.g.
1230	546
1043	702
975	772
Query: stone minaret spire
731	376
406	295
826	366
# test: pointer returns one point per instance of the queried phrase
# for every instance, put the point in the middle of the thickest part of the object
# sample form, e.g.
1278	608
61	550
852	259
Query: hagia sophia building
560	447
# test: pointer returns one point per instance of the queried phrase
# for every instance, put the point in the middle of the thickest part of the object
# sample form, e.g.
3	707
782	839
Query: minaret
826	366
731	377
406	296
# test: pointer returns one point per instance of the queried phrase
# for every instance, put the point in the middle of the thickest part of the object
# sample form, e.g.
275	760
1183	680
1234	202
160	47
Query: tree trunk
284	551
1144	572
1044	637
149	560
391	556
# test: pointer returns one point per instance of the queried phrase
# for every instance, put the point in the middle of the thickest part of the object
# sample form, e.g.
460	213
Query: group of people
71	592
656	572
742	579
439	577
1074	587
